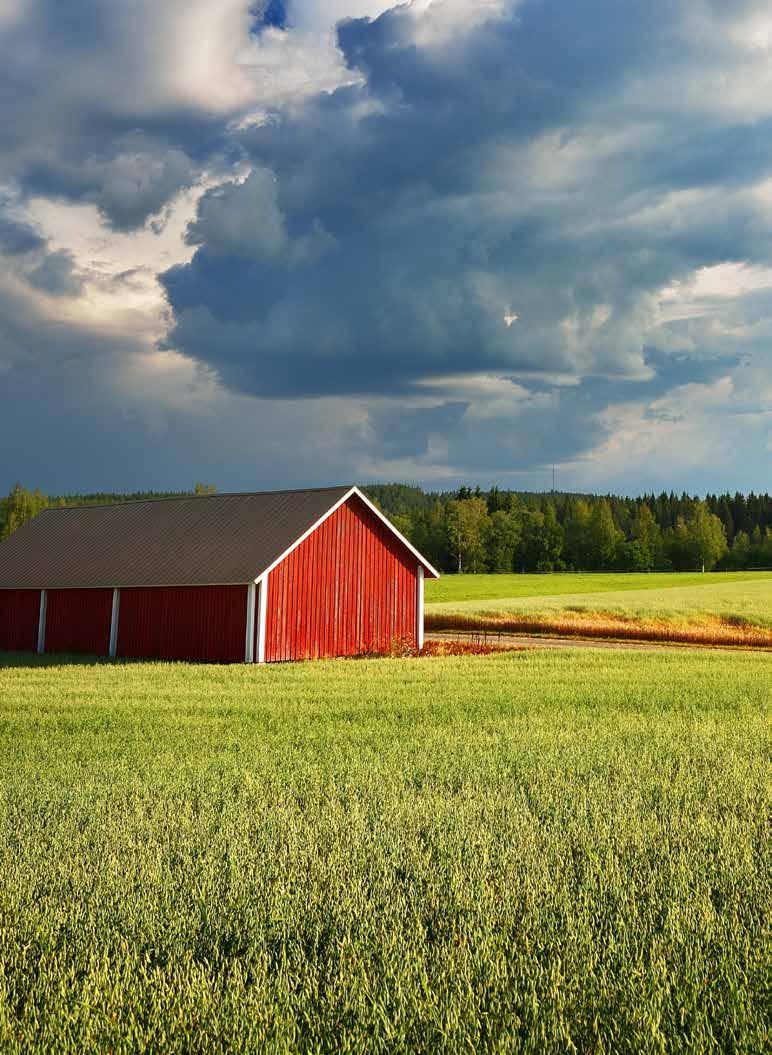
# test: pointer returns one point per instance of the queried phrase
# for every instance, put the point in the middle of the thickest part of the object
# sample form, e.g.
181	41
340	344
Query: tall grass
608	625
520	852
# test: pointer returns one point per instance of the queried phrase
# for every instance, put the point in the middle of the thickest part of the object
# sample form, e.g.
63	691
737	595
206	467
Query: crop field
526	852
721	608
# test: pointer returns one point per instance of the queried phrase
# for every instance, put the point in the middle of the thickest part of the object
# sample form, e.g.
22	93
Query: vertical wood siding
78	621
198	623
350	587
19	612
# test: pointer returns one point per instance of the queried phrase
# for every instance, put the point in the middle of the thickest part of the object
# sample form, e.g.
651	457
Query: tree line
504	531
22	505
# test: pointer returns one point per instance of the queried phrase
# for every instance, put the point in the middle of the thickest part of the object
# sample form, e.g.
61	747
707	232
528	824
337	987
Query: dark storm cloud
394	432
431	223
132	182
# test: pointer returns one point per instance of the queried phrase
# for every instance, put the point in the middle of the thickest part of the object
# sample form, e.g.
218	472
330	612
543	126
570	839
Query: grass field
455	588
532	852
725	608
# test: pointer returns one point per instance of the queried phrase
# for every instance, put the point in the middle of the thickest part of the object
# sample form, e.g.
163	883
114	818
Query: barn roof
194	541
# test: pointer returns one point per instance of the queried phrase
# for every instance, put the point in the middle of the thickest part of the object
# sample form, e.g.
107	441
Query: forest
505	531
471	530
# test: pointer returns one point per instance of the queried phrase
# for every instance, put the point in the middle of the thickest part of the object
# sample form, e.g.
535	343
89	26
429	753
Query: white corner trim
114	623
42	621
249	644
262	612
419	606
341	501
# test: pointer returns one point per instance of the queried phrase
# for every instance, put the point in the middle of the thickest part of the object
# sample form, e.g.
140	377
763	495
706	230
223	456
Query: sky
286	243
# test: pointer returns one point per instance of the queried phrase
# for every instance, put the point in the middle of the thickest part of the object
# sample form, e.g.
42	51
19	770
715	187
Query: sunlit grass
520	852
453	588
725	609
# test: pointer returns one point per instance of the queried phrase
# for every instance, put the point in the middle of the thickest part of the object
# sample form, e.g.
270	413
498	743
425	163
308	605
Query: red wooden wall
350	587
19	614
78	621
205	623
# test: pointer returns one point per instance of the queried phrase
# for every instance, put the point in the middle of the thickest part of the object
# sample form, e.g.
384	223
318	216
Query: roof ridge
187	497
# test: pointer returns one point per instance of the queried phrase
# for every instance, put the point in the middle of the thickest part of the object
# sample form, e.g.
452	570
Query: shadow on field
54	659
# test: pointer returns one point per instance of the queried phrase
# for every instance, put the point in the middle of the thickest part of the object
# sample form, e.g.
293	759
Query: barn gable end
348	588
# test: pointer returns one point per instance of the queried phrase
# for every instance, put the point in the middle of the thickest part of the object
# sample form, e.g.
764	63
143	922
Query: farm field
454	588
728	607
531	852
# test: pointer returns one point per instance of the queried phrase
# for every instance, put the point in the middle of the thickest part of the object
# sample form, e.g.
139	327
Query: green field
741	596
532	852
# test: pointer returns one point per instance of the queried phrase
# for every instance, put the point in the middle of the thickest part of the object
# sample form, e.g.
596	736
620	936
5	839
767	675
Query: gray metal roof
205	540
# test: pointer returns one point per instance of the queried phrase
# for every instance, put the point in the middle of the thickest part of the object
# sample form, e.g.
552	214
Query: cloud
17	238
118	104
446	239
127	188
468	178
241	219
57	275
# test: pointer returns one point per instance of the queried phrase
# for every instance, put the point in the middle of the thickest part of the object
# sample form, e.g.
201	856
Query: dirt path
544	641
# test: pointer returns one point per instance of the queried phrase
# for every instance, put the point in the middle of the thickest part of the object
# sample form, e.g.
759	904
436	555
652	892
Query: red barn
276	575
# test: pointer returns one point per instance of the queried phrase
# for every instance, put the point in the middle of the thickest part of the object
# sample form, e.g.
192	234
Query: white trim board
114	616
419	606
249	644
262	613
42	612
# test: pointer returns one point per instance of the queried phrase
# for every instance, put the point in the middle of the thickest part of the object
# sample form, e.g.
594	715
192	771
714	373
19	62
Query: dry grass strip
711	631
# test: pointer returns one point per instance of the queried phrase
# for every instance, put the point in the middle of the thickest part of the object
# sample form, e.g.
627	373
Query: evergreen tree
495	501
577	535
644	550
740	553
429	536
553	539
603	536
